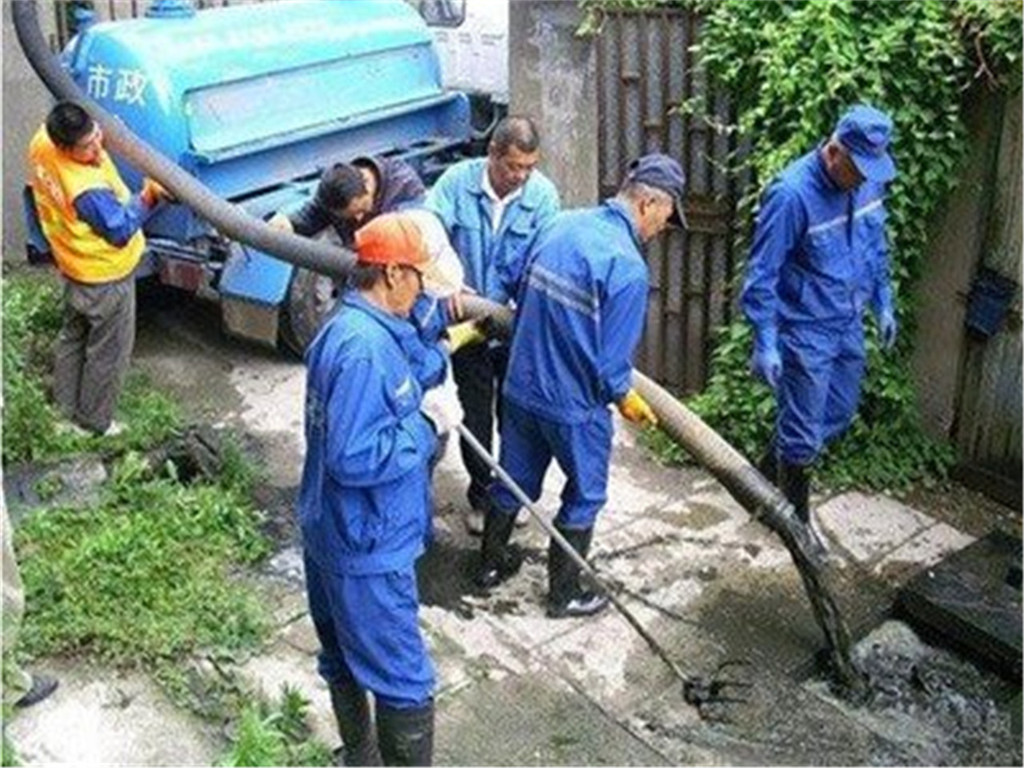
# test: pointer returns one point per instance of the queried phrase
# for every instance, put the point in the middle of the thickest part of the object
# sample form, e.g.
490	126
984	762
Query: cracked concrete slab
102	716
869	527
926	548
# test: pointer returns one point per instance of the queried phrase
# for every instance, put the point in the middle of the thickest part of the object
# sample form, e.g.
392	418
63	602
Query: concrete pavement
515	688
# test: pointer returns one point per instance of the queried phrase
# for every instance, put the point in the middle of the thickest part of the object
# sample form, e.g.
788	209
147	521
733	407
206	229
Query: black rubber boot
795	484
42	687
566	598
498	561
406	735
769	463
355	726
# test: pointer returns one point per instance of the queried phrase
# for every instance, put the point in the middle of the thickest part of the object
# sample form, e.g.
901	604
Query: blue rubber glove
766	364
887	328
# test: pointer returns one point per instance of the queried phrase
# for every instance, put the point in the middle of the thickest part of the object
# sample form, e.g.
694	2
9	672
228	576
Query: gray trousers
94	348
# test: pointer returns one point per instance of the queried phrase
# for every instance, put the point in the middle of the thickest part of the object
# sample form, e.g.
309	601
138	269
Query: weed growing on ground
145	574
276	734
31	317
237	472
150	417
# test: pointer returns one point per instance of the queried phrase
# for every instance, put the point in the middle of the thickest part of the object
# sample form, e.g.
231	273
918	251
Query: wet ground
517	688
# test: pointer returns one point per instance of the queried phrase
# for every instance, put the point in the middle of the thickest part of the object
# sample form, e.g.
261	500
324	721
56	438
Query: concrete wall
553	80
25	104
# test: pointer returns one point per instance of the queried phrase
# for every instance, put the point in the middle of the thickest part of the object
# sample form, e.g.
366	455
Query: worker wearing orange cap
364	502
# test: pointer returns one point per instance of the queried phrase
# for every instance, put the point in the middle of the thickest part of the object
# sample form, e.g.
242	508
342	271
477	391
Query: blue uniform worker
582	300
364	503
819	258
491	207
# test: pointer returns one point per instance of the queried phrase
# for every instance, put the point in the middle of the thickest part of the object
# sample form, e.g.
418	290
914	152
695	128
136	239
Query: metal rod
584	566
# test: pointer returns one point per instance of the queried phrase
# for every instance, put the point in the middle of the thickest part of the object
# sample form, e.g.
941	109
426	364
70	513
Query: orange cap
391	238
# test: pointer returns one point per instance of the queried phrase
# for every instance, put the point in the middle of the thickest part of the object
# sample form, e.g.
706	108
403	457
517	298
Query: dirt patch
281	523
445	576
964	509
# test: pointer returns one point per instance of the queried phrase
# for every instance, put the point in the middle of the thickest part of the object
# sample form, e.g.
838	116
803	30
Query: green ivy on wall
792	67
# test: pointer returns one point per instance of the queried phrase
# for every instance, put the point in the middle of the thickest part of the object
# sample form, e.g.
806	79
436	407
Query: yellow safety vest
81	253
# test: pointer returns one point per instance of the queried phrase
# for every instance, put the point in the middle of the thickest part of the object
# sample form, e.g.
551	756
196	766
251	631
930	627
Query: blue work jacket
459	200
819	253
582	301
364	503
114	221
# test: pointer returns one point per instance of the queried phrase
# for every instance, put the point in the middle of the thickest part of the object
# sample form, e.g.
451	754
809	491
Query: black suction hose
227	218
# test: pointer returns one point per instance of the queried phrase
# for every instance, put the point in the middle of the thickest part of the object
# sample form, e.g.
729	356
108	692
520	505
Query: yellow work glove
153	192
635	409
463	334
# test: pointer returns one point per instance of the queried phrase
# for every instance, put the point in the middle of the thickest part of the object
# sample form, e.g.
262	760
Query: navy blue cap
865	132
664	173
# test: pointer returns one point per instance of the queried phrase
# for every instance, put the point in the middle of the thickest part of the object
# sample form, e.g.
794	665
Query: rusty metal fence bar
645	67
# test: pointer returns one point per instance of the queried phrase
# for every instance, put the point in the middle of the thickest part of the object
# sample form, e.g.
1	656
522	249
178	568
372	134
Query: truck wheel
311	297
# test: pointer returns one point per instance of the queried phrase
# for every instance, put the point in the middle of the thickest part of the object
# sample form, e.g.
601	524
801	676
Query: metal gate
645	67
987	427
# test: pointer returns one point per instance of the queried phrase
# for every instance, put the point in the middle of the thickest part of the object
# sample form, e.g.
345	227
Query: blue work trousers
369	634
583	451
818	392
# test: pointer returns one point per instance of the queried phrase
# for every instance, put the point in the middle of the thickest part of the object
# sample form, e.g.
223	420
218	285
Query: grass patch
150	417
151	575
7	754
145	575
31	319
32	310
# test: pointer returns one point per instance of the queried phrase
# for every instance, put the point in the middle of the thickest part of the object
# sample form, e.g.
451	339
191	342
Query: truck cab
472	43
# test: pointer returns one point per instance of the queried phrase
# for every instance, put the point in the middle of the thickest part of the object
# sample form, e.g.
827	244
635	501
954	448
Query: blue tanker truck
255	101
